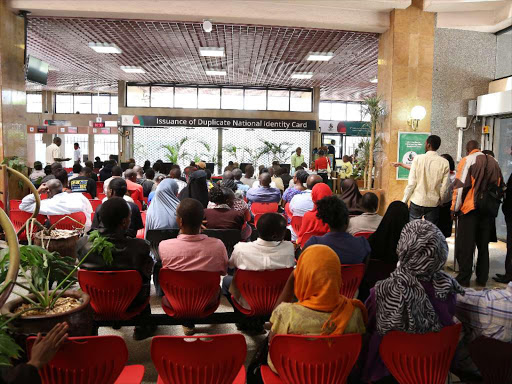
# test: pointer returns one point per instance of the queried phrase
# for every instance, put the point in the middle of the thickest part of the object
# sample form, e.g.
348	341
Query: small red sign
98	125
42	129
105	130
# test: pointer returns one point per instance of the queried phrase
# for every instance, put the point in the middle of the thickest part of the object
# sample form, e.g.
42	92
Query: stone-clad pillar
406	55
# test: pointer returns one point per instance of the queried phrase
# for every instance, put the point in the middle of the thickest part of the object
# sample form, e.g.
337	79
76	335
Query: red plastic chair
87	195
258	209
140	232
188	294
67	223
99	186
310	359
2	205
14	204
351	277
43	196
112	292
138	204
308	235
68	170
420	359
19	218
287	210
260	289
101	196
366	235
296	223
492	357
90	359
215	359
94	204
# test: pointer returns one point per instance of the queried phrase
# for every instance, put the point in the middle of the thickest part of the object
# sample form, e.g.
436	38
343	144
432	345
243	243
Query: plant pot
65	246
79	319
360	183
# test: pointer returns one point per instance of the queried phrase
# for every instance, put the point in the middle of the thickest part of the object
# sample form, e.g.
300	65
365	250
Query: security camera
207	26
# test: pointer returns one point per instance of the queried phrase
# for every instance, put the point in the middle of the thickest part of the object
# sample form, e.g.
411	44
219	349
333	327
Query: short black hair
208	174
76	144
370	202
118	186
191	212
237	173
77	168
157	166
150	174
87	171
113	212
48	170
488	152
97	158
333	212
302	176
117	171
434	141
271	227
62	176
89	164
38	165
219	195
450	161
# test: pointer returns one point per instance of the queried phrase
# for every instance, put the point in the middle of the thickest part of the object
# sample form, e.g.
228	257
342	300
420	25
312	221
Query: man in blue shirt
264	193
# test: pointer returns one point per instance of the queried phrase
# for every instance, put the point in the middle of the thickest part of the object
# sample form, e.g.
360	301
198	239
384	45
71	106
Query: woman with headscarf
311	224
418	297
351	196
196	188
321	309
161	214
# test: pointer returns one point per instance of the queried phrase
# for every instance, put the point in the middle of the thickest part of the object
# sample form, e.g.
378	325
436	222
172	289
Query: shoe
189	331
479	284
502	279
142	332
501	275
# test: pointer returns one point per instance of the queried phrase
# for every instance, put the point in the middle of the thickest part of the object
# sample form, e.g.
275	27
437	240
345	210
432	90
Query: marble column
405	64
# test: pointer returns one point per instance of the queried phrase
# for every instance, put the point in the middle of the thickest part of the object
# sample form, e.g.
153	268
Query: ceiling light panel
302	75
216	73
132	69
105	48
320	56
211	51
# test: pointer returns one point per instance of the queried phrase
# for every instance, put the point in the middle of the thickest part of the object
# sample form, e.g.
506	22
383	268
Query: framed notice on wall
410	144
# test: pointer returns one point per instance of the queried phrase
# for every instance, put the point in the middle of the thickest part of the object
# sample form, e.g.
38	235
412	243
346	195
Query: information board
410	144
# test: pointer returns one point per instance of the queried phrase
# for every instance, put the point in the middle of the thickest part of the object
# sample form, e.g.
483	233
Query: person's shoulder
282	310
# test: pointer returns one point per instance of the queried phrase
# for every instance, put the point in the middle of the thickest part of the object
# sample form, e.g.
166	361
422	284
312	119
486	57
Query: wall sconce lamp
417	114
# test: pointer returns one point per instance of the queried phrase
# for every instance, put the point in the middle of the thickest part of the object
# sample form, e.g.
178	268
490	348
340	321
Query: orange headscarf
311	223
317	286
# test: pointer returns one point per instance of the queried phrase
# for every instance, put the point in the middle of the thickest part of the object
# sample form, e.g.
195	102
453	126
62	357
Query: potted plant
362	161
176	151
372	106
278	152
209	154
17	189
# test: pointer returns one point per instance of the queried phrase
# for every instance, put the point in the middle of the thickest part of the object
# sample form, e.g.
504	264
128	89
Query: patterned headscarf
402	303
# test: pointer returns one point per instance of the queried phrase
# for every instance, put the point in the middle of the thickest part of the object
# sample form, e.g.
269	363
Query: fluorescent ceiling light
302	75
374	80
105	48
216	73
130	69
211	51
320	56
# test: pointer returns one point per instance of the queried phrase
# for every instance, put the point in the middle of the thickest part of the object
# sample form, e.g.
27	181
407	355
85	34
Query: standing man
475	173
53	152
297	158
429	180
330	148
77	153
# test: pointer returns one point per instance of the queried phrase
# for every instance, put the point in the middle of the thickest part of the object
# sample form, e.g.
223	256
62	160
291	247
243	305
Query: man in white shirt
77	153
117	171
248	178
302	202
429	180
268	252
58	202
369	221
53	152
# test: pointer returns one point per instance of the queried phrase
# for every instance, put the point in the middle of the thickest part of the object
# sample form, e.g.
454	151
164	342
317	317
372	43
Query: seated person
222	215
106	171
175	174
148	183
268	252
158	180
350	250
299	179
90	164
264	193
284	174
54	168
84	182
302	203
134	190
98	164
128	254
263	170
321	309
237	178
77	168
248	178
191	250
368	221
417	298
239	205
62	176
117	188
311	223
116	171
351	196
58	202
274	171
37	175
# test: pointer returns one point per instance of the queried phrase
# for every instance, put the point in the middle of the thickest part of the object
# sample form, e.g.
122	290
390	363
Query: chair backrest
19	218
258	209
111	292
100	195
14	204
314	359
68	170
88	359
366	235
213	359
138	204
307	236
155	236
87	195
230	237
296	223
351	277
420	359
67	223
189	293
261	289
94	204
141	232
493	359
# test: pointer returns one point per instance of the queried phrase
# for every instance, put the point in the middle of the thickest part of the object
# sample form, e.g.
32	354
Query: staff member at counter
53	152
297	159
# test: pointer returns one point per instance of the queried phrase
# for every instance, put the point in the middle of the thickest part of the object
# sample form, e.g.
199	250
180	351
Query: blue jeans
429	213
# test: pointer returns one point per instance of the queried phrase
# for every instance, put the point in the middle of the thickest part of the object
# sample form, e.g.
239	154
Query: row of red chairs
19	218
219	359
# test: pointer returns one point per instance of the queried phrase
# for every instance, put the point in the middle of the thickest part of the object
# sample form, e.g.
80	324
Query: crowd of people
404	287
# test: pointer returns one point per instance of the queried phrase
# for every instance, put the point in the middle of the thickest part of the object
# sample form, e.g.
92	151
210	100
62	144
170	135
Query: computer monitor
243	165
125	166
211	167
287	166
166	168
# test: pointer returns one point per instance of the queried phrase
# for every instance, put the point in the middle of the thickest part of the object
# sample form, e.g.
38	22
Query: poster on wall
348	128
410	144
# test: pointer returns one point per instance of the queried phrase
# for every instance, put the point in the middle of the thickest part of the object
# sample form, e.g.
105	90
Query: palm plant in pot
372	106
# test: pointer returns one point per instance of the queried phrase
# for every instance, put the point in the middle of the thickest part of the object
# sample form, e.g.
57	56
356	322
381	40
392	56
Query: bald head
54	187
237	173
313	180
265	179
471	146
228	175
130	174
139	171
175	173
55	167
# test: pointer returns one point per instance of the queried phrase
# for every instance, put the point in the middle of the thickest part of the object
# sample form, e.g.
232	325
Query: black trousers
508	260
473	230
324	177
417	212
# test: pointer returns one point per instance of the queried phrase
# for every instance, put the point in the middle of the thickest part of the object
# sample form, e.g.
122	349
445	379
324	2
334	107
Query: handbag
490	197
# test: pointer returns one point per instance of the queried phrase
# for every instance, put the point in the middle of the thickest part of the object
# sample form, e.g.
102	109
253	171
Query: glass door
503	151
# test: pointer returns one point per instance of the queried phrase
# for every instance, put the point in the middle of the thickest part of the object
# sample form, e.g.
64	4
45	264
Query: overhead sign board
217	122
348	128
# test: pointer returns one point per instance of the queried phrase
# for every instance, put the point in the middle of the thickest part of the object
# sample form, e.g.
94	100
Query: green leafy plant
277	151
176	151
253	154
363	156
17	164
372	106
234	151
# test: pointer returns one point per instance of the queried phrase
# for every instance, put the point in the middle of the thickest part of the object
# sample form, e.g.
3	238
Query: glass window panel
278	100
34	103
185	97
105	145
339	111
232	98
162	96
209	98
64	103
137	96
255	99
69	140
101	104
82	103
301	101
113	104
324	111
353	112
40	148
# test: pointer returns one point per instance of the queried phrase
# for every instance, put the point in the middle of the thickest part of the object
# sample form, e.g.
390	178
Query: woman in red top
322	164
311	224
